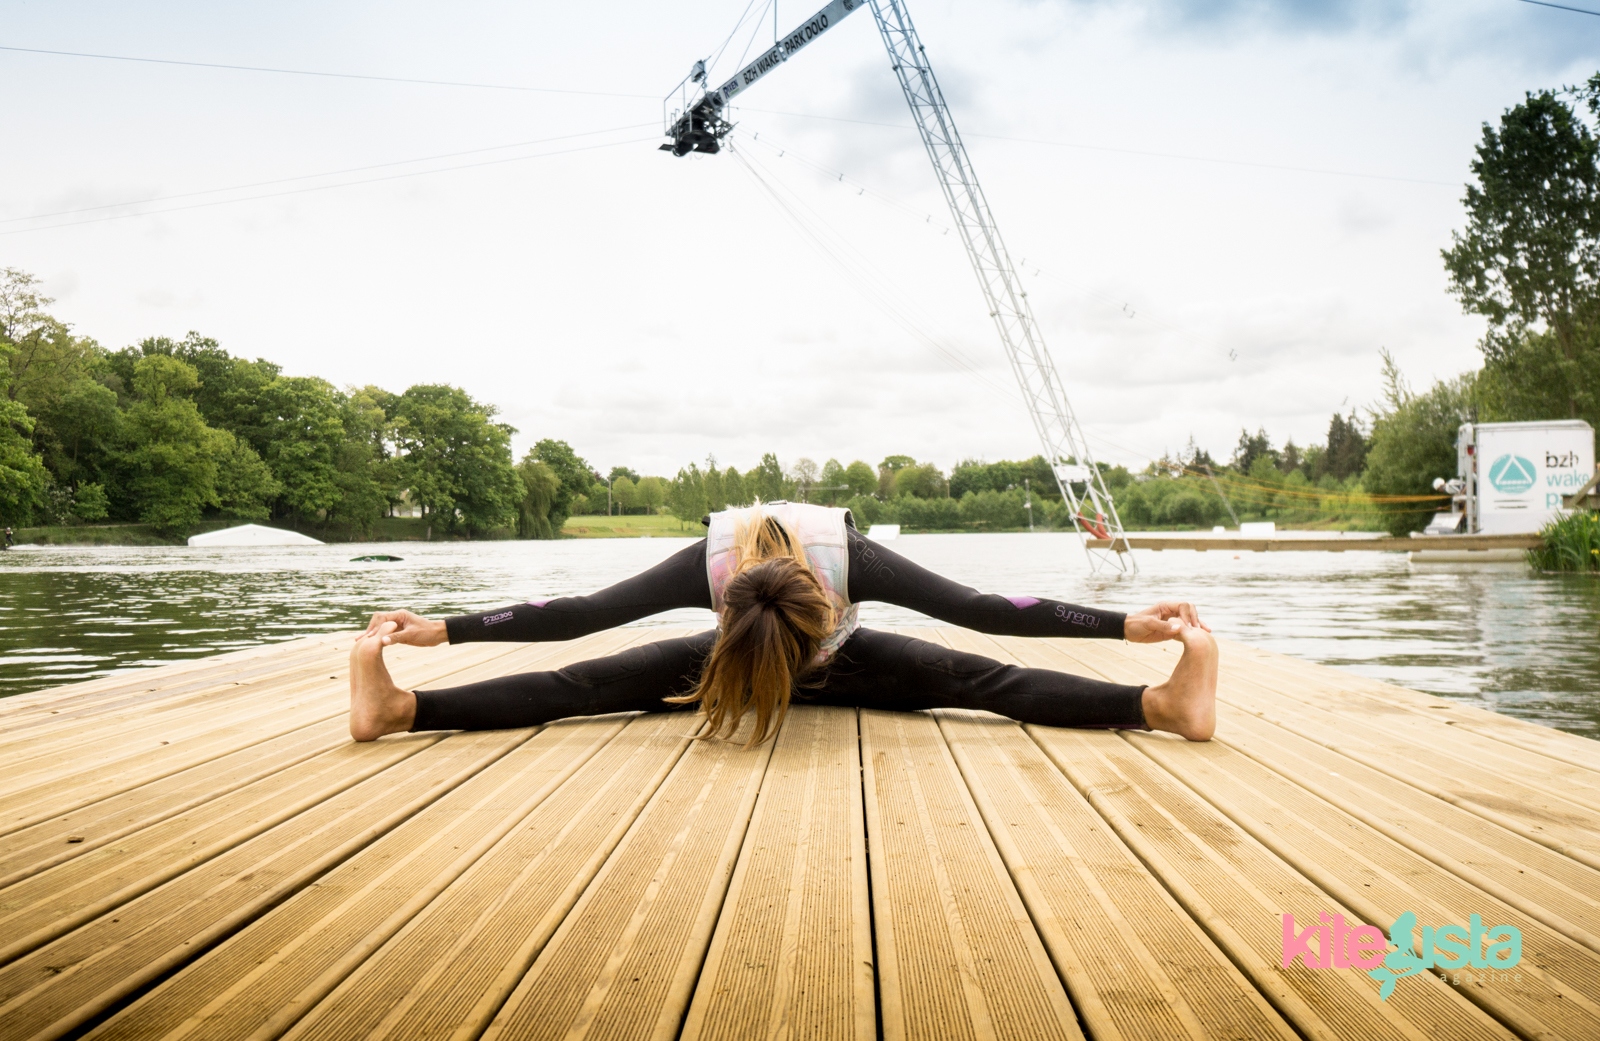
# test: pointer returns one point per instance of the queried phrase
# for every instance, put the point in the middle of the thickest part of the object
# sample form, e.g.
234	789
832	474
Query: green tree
1531	378
363	468
22	473
861	478
686	495
1414	442
1252	447
766	482
245	484
622	493
803	474
1530	253
920	480
456	460
170	462
540	485
832	478
651	494
1345	454
732	489
576	475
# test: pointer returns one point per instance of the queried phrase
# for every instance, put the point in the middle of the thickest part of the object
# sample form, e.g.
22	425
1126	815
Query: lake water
1493	635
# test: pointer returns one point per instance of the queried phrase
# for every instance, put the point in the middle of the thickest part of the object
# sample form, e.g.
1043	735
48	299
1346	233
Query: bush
866	510
1571	543
941	514
994	510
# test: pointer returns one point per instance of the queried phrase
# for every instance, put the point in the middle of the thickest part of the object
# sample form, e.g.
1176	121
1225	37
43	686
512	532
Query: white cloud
651	310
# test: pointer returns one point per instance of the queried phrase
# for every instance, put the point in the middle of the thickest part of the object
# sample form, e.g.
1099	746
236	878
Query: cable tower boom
698	125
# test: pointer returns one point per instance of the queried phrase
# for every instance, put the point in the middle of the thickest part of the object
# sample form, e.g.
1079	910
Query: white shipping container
1516	473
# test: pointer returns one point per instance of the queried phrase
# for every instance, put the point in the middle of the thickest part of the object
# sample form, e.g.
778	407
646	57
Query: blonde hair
775	617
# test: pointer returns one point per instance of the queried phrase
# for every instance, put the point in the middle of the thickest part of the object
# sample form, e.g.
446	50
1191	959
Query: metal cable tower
1064	444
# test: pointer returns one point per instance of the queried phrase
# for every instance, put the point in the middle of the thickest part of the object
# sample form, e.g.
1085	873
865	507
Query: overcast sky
1225	209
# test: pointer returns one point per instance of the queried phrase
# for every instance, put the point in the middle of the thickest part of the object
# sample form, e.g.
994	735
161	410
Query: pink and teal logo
1332	944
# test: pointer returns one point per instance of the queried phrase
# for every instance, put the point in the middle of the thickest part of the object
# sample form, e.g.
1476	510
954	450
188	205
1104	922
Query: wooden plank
625	959
1519	802
259	982
69	764
452	967
133	718
53	902
70	835
1546	741
142	679
1558	990
1133	961
957	954
1351	695
66	984
184	690
792	953
1238	890
72	789
1560	893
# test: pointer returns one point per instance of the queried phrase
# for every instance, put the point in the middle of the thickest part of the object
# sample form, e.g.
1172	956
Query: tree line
167	432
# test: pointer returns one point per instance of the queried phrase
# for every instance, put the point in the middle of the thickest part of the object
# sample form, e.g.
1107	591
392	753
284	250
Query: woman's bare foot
377	706
1186	704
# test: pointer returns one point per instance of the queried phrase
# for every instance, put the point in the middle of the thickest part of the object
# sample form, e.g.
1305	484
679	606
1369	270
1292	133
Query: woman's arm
678	581
879	573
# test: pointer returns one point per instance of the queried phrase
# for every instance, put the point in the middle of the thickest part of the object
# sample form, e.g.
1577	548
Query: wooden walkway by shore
1336	543
199	851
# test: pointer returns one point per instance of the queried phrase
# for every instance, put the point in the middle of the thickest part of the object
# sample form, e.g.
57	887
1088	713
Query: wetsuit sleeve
879	573
678	581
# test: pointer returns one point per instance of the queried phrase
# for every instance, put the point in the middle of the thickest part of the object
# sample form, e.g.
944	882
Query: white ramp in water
253	535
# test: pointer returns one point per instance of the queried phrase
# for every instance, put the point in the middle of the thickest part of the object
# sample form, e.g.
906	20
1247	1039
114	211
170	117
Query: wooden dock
199	851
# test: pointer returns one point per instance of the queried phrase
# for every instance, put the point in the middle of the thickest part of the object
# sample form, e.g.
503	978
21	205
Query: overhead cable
1129	151
326	173
326	75
326	187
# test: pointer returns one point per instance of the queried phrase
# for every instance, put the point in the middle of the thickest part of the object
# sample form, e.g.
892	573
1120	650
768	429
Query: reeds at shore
1571	543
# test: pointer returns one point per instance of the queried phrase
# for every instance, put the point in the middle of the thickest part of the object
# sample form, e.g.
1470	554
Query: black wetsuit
872	670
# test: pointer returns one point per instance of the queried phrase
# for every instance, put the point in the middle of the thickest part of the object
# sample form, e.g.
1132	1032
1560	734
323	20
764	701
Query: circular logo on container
1511	474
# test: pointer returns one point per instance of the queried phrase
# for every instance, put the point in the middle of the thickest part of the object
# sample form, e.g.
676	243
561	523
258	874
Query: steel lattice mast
698	125
1042	392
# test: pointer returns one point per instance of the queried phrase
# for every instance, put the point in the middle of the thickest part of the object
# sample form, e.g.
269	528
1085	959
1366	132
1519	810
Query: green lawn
631	527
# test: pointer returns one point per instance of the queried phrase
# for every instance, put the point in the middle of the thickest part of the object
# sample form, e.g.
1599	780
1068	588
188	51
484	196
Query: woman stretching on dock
784	580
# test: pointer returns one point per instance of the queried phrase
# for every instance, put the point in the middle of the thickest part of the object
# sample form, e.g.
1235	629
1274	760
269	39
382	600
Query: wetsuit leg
678	581
633	681
888	671
879	573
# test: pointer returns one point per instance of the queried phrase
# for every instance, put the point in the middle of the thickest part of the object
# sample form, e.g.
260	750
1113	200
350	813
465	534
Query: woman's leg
889	671
678	581
879	573
635	680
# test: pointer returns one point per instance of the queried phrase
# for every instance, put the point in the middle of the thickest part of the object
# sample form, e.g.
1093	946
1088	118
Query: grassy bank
631	527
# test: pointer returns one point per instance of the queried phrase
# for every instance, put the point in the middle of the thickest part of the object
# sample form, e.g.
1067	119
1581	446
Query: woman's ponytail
775	618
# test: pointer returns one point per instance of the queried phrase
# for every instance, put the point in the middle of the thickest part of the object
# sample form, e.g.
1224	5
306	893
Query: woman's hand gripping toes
1165	621
408	628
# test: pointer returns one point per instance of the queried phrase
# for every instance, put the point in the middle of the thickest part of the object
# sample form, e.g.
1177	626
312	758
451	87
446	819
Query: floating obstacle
252	535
